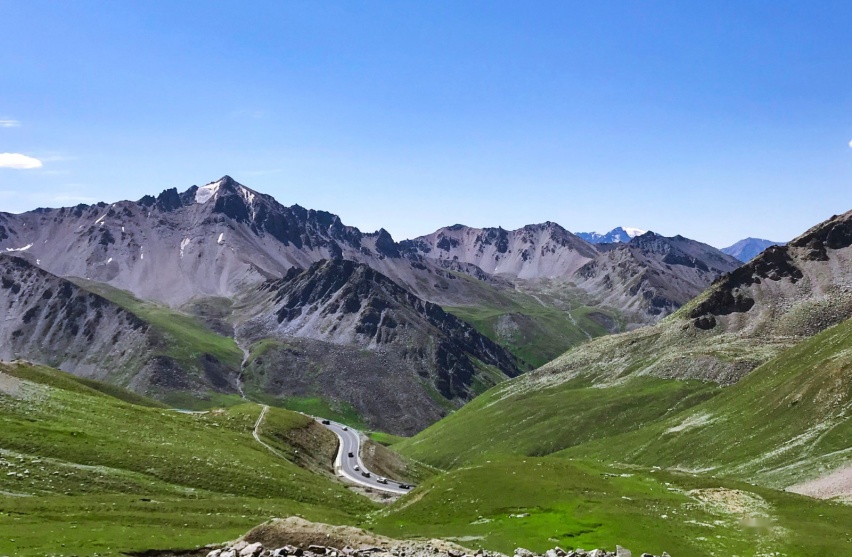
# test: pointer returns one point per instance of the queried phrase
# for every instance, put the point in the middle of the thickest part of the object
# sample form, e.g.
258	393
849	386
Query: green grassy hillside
609	386
85	472
186	337
785	422
790	419
515	419
536	328
538	503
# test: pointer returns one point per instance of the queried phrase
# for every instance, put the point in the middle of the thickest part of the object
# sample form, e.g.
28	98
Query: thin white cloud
850	144
18	161
9	124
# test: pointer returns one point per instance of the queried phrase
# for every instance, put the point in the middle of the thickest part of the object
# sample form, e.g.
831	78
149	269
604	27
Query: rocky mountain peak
769	282
835	233
385	244
651	241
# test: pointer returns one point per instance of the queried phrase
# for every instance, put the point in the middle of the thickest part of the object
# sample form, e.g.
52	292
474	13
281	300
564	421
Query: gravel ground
837	484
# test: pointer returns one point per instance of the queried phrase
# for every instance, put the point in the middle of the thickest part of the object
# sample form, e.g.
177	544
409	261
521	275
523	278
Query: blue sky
715	120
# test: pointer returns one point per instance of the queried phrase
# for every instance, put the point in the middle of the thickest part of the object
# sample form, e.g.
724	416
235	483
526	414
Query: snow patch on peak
183	244
221	239
204	193
633	232
25	248
247	194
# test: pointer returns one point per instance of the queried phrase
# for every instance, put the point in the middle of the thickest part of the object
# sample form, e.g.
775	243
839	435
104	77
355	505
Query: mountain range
442	317
655	393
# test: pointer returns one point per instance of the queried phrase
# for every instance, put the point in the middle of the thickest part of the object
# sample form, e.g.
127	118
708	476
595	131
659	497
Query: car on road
345	428
326	422
351	455
365	474
404	486
357	468
381	480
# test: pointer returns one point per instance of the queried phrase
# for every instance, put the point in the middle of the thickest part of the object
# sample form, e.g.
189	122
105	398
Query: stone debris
296	537
404	549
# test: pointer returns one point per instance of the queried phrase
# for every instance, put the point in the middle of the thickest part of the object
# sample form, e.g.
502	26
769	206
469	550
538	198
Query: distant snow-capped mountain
620	234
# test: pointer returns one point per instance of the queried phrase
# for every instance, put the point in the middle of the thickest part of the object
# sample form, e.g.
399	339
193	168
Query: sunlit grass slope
788	420
85	472
508	420
539	503
186	338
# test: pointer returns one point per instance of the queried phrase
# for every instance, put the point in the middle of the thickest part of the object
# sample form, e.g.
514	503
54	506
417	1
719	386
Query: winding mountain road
344	464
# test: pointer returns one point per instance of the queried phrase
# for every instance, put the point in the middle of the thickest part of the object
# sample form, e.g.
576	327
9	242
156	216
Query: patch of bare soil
838	484
11	386
384	462
299	532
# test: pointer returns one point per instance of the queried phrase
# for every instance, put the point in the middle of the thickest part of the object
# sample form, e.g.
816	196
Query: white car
382	480
357	468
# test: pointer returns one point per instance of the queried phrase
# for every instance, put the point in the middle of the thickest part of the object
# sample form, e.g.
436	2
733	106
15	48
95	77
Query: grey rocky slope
794	290
786	294
645	278
534	251
348	332
747	249
651	275
50	320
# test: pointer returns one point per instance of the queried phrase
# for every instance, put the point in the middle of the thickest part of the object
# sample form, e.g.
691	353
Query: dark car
404	486
365	474
351	455
326	422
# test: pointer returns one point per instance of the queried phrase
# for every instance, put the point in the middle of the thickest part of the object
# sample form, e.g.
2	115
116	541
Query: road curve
344	465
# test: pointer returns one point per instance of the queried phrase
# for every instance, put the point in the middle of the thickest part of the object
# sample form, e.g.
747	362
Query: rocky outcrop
320	301
797	289
296	537
402	549
372	343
